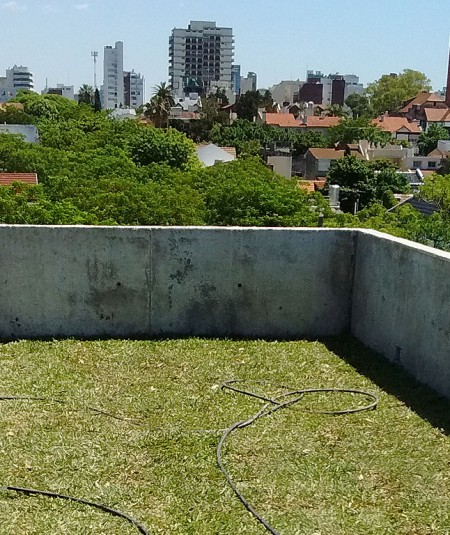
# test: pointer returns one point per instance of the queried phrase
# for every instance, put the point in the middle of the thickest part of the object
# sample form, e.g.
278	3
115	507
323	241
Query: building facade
113	86
133	89
236	79
249	82
330	89
67	91
200	58
17	78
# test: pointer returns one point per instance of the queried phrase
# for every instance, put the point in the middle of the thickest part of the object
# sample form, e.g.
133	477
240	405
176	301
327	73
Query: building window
416	164
431	164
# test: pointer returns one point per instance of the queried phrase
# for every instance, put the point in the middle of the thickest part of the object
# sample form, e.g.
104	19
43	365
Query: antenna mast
94	55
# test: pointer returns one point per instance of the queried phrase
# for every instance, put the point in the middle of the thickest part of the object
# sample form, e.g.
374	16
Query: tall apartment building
133	89
200	58
249	82
330	89
120	89
17	78
236	79
113	86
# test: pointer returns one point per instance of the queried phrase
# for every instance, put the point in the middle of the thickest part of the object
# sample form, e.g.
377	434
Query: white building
67	91
249	82
133	89
17	78
113	86
285	91
200	58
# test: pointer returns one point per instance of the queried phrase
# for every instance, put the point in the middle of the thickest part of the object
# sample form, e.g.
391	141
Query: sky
278	41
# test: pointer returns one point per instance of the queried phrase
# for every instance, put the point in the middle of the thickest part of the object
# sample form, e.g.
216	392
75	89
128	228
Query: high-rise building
236	79
113	86
330	89
17	78
133	89
249	83
120	89
200	58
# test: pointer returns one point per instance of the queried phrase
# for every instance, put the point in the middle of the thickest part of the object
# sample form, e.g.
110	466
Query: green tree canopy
364	183
359	105
428	140
353	130
389	92
152	145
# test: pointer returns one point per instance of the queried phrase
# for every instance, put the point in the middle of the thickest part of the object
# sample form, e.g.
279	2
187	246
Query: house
28	131
414	109
6	179
212	154
318	161
400	128
439	117
313	123
121	114
281	120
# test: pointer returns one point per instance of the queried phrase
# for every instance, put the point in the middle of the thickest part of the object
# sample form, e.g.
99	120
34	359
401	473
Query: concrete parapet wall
137	281
392	294
401	305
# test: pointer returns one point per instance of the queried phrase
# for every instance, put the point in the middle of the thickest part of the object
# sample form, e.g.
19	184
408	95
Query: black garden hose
272	405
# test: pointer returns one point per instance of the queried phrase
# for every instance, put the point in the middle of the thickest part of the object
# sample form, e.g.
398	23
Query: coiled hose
272	404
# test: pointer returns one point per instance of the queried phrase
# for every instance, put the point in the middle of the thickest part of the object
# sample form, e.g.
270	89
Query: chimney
447	91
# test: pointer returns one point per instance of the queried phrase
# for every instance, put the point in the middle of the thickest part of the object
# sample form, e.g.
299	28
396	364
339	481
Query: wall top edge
312	230
183	227
402	241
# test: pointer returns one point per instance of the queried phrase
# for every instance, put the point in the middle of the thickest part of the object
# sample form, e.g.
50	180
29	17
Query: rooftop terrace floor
379	472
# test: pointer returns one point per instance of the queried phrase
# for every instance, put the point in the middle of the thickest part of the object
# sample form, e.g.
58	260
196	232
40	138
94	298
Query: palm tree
86	94
158	109
336	110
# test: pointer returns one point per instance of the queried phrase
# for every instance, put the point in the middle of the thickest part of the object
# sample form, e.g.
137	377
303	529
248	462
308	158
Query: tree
86	94
353	130
152	145
436	188
97	101
158	109
389	92
247	105
363	183
359	105
335	110
428	140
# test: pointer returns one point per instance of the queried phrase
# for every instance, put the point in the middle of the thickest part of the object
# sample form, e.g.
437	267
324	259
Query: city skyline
56	39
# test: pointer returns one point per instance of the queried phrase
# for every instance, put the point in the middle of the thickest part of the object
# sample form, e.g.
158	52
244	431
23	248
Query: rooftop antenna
94	55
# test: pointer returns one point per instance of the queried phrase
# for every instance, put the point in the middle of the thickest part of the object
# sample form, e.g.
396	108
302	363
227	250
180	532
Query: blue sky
278	41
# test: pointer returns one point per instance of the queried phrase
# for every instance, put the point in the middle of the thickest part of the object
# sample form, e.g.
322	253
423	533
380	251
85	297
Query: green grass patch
379	472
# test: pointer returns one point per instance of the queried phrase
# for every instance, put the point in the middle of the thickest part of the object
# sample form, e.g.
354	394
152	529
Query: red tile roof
6	179
422	98
284	120
436	115
394	124
314	121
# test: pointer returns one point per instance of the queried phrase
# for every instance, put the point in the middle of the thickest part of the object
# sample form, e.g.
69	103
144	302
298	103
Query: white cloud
14	6
81	6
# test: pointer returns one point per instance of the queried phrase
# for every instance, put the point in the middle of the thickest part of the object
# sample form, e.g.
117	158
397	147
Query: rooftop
137	425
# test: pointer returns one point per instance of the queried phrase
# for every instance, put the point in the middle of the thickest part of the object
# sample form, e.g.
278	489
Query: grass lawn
380	472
